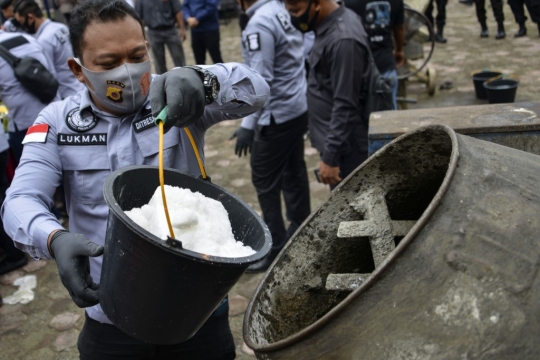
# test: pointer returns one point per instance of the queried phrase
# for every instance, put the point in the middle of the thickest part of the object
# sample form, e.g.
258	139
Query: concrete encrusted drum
428	250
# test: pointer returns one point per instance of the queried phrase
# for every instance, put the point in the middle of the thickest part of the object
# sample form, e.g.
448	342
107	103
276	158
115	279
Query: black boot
484	33
439	36
500	32
466	2
264	264
522	30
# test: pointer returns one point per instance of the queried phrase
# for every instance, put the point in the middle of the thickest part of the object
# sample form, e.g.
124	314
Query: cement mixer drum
429	250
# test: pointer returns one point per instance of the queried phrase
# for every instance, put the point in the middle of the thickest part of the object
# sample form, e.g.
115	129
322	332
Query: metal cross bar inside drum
380	229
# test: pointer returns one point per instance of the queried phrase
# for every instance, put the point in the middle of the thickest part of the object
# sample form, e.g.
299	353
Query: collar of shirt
329	21
42	27
256	6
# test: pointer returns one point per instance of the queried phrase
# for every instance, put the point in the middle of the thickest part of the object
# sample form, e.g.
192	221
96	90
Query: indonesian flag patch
36	134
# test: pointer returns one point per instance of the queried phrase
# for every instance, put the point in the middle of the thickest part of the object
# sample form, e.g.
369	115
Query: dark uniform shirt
158	14
379	18
336	86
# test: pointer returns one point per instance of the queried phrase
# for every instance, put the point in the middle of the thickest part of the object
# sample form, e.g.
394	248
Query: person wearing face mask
10	25
107	126
274	135
337	84
54	38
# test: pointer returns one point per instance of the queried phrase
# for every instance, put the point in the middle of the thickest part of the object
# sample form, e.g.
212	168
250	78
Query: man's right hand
244	140
72	252
182	90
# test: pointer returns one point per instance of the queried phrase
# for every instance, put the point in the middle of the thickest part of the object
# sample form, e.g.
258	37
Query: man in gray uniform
54	39
10	25
11	91
108	126
160	17
23	106
274	48
337	85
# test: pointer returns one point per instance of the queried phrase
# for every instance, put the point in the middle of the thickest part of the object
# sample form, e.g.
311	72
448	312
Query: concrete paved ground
47	327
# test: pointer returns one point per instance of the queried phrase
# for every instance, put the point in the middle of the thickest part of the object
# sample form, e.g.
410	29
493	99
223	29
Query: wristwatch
210	83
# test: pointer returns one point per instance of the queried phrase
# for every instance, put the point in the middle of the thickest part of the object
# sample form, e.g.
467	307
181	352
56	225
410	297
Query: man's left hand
192	22
329	174
400	58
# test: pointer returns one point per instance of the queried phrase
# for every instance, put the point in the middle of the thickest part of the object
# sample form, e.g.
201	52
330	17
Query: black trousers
278	166
497	6
213	341
202	41
518	9
440	20
6	244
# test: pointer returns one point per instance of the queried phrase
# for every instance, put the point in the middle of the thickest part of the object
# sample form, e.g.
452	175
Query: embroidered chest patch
79	123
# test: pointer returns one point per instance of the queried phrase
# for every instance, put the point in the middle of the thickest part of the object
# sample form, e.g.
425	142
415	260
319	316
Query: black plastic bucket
501	90
158	293
479	77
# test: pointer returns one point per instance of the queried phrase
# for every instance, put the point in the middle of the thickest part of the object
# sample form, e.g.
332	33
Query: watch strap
207	78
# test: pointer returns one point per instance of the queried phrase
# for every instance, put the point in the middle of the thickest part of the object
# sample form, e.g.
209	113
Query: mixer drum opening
354	233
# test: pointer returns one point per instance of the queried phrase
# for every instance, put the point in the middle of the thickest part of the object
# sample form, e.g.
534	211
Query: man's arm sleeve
347	64
185	9
210	9
176	6
26	213
260	43
243	91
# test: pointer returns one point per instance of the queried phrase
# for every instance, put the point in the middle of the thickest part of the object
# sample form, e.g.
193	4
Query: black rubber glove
183	91
72	252
244	140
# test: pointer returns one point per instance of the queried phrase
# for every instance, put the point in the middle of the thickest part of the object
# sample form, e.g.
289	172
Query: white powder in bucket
200	223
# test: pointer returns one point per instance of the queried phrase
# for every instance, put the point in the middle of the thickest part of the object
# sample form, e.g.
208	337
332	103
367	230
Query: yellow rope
196	151
162	179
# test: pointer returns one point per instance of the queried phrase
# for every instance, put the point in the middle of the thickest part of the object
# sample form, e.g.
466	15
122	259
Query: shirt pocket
85	170
148	142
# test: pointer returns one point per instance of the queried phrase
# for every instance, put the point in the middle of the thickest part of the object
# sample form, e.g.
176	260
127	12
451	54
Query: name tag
143	124
82	139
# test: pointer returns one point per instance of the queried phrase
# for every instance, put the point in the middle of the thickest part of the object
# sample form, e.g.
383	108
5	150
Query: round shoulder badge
81	124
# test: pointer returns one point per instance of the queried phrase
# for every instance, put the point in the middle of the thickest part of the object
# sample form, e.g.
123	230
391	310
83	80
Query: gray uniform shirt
54	38
336	86
274	48
84	145
23	106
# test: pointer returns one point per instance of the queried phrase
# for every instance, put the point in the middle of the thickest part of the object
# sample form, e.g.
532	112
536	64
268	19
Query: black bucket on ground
479	77
158	293
501	90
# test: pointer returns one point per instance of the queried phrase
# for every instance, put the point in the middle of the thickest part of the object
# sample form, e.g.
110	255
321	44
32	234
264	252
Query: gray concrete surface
29	332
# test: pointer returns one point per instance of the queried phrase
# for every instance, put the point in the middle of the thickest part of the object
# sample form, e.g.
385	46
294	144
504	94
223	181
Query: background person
274	135
203	19
54	39
518	9
10	24
337	85
440	20
23	106
108	41
383	22
497	6
161	18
